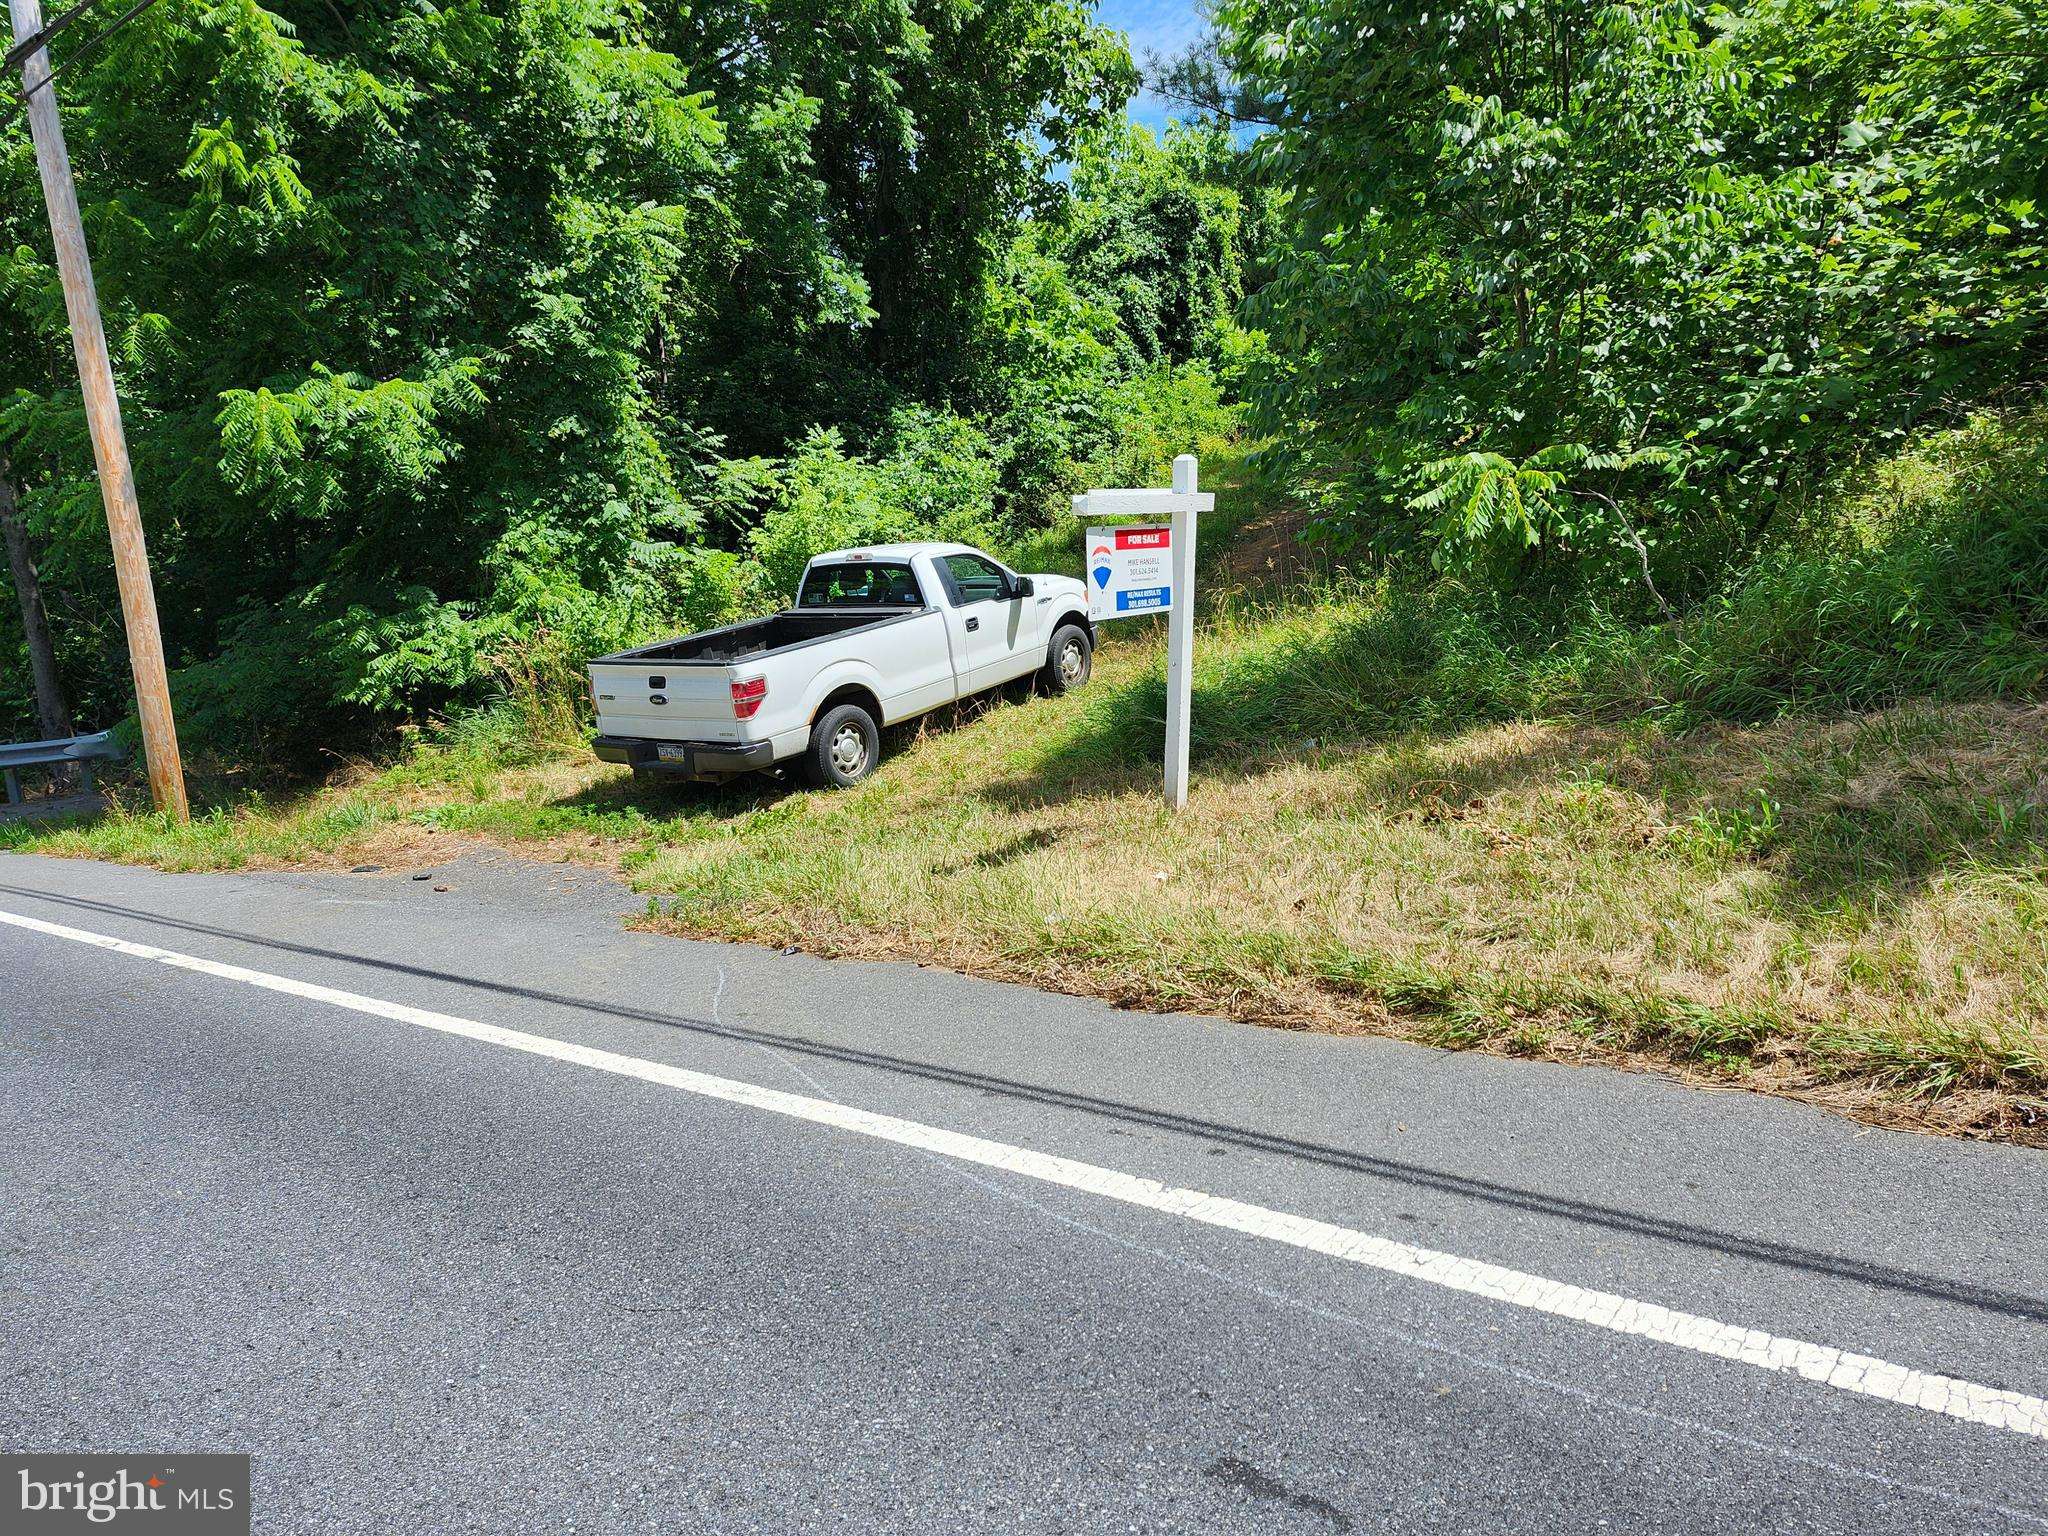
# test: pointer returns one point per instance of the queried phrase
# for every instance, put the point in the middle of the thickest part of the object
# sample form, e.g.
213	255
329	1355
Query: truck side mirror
1020	586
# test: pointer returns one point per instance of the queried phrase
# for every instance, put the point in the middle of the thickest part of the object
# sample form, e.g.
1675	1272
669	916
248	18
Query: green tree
443	330
1572	279
882	153
1157	234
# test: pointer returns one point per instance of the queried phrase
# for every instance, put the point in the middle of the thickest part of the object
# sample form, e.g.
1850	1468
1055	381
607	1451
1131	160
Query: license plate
672	752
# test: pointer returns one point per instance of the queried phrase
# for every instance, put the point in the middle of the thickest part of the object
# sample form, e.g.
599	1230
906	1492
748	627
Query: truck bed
757	637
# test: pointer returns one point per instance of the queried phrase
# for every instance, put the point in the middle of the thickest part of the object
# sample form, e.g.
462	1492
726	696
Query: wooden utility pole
51	715
103	416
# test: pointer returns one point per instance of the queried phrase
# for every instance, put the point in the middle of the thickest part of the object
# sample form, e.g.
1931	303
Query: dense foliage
458	341
1580	283
1929	583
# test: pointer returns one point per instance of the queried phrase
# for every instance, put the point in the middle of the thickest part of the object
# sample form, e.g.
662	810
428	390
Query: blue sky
1154	25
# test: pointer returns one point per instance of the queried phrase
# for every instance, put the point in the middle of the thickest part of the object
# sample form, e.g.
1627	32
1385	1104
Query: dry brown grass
1723	904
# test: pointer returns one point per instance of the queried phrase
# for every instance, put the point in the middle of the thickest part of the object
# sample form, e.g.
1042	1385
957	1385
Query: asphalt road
447	1281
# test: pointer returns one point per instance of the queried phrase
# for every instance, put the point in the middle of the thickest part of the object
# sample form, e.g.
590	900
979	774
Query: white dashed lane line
1842	1369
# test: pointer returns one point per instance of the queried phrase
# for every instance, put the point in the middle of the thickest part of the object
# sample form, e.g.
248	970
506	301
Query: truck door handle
974	623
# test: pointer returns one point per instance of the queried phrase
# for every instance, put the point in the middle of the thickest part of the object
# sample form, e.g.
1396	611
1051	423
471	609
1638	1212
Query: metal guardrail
65	751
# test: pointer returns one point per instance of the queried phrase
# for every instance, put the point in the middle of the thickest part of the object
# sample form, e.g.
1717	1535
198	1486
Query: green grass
1414	813
250	834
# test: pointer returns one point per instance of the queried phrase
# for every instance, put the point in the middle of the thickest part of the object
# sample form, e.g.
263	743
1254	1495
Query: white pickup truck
878	635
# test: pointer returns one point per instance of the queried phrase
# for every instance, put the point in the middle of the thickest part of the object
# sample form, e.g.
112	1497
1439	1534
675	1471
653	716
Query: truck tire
1068	660
846	743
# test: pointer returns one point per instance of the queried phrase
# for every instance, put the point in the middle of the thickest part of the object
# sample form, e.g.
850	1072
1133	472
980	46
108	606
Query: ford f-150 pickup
878	635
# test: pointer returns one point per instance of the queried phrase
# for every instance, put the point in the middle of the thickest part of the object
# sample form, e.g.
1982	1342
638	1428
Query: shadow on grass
1847	811
1253	705
1006	852
668	801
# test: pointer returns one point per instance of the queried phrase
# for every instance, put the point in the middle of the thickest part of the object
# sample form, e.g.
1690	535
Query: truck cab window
860	584
975	579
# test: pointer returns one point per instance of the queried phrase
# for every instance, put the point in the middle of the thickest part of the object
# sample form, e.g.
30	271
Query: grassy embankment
1795	843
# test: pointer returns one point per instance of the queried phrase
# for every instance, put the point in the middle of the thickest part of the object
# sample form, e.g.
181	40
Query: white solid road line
1837	1368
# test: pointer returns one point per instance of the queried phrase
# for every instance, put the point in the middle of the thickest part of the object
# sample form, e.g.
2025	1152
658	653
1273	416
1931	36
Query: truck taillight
747	697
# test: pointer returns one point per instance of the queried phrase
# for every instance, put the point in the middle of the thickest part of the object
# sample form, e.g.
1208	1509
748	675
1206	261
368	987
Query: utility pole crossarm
40	39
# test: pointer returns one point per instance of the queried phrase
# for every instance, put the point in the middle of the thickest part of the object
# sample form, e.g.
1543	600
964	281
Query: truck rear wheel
846	743
1068	660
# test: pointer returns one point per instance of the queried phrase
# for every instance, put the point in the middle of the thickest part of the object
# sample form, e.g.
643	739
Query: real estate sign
1129	570
1141	568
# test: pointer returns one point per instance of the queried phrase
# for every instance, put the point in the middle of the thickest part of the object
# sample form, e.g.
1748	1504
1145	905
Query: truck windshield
859	584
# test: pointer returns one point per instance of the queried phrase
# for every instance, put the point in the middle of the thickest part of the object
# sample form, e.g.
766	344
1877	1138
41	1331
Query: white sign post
1151	569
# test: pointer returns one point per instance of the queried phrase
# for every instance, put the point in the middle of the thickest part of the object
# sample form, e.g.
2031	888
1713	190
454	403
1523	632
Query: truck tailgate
664	701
